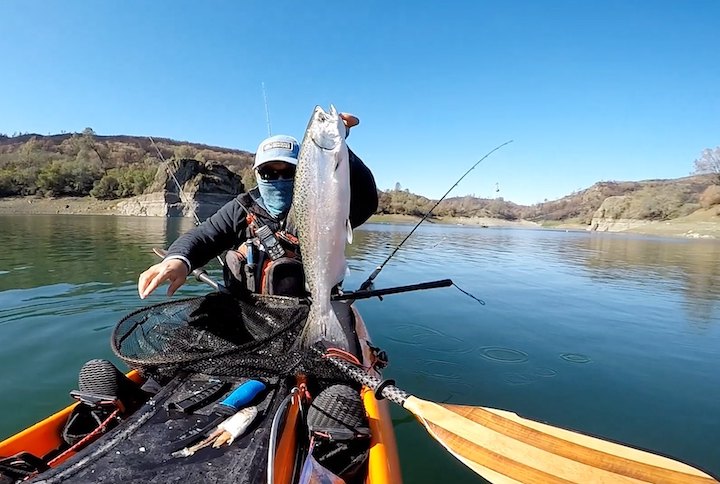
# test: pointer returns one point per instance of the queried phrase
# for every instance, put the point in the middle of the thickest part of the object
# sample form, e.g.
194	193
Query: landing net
217	334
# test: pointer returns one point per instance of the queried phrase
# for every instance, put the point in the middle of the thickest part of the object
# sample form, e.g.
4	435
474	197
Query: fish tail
323	326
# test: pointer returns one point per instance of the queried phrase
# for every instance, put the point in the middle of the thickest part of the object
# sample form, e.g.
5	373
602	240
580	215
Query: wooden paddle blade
505	448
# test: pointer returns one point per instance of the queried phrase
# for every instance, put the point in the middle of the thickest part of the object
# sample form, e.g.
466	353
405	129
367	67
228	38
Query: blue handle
249	252
243	394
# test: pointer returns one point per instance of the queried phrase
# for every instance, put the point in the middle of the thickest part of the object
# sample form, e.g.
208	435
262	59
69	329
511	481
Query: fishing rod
369	281
367	294
267	111
181	193
199	273
202	276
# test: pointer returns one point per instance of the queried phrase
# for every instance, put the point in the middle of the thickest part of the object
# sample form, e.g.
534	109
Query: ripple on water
446	371
441	376
529	376
430	361
575	358
503	355
424	331
429	339
518	378
545	372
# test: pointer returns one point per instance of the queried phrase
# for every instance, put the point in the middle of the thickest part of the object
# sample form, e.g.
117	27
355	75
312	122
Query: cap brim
286	159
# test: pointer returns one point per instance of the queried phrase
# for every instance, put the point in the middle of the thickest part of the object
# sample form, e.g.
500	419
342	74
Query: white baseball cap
277	148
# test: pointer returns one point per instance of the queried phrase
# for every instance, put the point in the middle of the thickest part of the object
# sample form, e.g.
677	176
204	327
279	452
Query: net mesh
218	334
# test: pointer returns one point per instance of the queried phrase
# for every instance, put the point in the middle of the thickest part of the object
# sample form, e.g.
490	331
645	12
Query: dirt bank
476	221
51	206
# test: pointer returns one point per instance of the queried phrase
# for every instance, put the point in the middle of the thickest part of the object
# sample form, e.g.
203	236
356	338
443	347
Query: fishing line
369	281
183	198
181	193
468	294
102	160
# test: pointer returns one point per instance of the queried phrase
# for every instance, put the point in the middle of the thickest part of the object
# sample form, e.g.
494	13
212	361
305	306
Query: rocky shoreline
702	224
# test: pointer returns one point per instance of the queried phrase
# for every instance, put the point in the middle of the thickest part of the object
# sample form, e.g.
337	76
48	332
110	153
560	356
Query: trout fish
320	211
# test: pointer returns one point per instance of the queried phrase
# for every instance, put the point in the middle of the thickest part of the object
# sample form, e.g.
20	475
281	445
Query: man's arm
216	234
363	192
195	249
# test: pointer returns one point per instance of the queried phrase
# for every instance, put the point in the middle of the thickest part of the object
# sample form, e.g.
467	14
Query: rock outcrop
609	217
206	186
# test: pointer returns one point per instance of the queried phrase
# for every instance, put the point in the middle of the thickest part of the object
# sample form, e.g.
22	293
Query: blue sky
588	91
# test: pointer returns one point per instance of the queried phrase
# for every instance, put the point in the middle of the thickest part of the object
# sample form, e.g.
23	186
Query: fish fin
323	327
223	438
349	230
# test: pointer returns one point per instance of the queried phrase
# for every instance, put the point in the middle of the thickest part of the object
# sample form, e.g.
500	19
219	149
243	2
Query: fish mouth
327	133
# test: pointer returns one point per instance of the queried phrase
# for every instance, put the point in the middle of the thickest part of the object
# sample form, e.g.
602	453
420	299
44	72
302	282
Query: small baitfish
226	432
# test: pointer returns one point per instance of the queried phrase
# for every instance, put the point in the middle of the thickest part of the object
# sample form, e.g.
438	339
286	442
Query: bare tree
709	162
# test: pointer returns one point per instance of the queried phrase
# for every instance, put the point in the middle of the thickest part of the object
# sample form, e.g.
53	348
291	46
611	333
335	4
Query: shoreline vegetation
86	173
700	224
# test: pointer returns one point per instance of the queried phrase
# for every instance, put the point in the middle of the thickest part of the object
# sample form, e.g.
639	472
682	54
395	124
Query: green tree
8	185
70	178
107	187
29	150
123	182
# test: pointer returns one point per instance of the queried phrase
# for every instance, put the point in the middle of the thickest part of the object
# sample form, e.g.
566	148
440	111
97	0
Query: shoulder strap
257	217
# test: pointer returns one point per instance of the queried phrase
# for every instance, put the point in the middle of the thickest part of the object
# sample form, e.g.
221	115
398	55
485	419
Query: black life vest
269	261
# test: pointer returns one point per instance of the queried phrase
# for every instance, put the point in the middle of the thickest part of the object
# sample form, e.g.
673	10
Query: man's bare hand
349	121
173	270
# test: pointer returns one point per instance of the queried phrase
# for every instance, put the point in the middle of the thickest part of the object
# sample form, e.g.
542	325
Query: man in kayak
253	228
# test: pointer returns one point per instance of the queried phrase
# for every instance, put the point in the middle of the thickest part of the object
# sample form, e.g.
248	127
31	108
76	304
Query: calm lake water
613	335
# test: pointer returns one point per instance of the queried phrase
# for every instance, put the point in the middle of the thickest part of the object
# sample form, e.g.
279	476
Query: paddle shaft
389	391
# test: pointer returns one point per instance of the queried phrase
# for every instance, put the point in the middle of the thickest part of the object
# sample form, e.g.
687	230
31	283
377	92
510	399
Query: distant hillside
649	200
108	167
403	202
73	164
59	142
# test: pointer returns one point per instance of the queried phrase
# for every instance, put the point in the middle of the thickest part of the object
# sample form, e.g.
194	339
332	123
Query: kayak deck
139	450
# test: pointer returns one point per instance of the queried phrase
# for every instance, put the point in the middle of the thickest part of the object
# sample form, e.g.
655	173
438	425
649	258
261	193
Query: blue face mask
276	195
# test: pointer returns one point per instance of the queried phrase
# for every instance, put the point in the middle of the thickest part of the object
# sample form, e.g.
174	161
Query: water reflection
79	249
685	267
86	249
